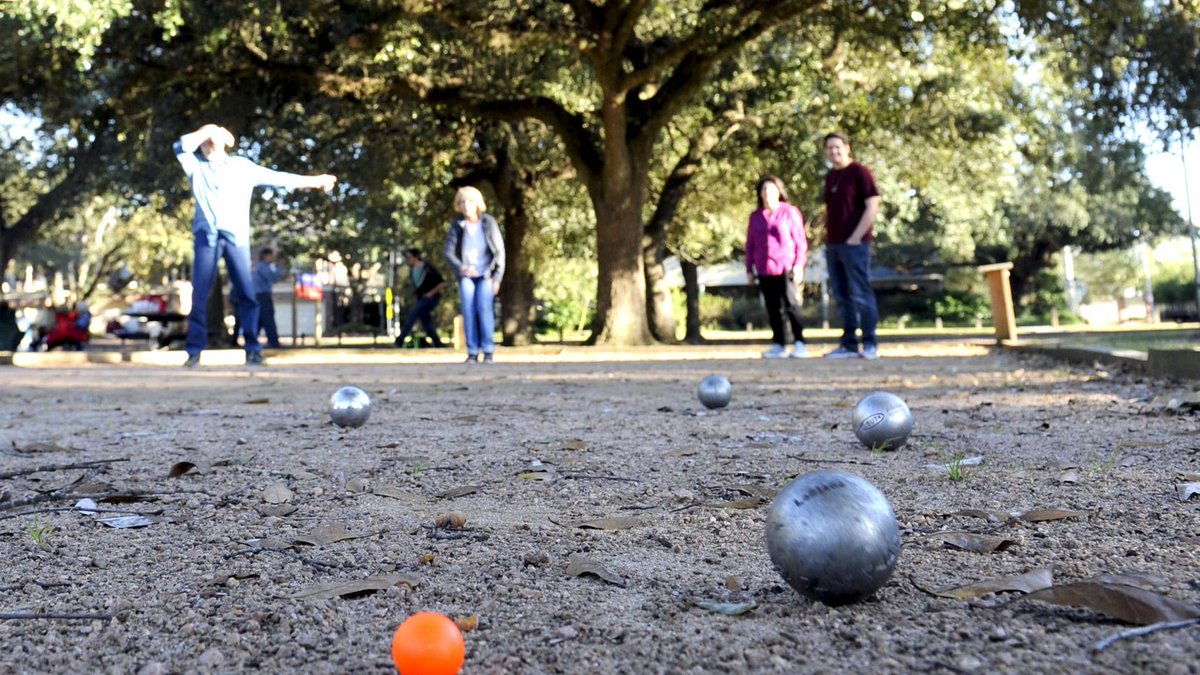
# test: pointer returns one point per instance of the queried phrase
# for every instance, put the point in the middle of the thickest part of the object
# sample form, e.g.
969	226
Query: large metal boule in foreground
349	407
833	536
882	421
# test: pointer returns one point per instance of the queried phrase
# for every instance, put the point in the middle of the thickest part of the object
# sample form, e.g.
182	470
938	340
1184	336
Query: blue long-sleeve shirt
264	275
223	189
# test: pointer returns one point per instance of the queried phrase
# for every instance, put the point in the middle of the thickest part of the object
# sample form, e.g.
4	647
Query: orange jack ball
428	643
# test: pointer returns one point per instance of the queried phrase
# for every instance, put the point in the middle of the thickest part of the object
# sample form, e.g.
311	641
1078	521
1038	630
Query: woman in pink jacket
776	251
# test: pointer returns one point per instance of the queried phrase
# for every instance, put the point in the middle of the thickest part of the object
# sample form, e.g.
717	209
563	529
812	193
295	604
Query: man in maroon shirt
851	204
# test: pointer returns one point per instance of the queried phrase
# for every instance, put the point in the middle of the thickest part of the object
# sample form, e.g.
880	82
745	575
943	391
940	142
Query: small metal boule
882	421
349	407
715	391
833	536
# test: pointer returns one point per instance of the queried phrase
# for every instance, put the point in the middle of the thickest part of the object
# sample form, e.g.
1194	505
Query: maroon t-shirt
846	194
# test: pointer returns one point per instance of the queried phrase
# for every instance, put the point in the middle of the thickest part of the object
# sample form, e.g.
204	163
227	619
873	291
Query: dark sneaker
487	358
192	361
255	359
472	358
842	352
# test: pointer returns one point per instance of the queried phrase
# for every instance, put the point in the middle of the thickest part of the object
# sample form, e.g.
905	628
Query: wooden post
1003	316
460	334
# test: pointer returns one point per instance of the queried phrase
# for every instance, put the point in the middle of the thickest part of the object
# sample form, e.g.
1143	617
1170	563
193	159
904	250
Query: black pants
782	297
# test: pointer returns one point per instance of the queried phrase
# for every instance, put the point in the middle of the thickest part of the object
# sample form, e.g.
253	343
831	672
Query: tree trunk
691	288
659	306
517	306
618	194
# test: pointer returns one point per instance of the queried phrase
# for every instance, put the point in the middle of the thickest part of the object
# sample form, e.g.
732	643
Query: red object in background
67	331
308	287
160	301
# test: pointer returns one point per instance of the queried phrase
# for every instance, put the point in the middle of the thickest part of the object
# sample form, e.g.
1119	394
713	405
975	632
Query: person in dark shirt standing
427	286
851	204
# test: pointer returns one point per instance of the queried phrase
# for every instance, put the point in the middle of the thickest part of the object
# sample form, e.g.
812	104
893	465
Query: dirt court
239	569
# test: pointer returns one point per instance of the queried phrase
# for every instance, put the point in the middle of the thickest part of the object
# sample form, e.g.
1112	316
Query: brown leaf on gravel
975	543
240	460
682	452
1069	477
185	467
277	493
258	401
460	491
1187	490
278	510
393	492
350	589
990	516
358	485
1033	580
1122	602
125	498
1042	515
575	445
1143	580
614	523
467	623
765	493
726	608
327	534
578	565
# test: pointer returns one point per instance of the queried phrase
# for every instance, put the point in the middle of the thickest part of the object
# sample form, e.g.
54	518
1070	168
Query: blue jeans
422	311
479	318
266	319
204	270
850	282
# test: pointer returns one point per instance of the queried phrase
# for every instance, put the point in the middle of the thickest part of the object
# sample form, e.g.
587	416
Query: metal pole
1187	194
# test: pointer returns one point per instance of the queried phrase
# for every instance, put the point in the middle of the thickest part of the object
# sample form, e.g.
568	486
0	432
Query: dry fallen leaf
358	485
258	401
337	589
682	452
1069	477
580	564
726	608
185	467
277	493
976	543
461	491
467	623
1034	580
615	523
40	447
394	493
1143	580
575	445
278	510
1187	490
1041	515
1119	601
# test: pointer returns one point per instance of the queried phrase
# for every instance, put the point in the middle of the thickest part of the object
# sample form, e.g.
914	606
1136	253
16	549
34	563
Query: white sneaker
870	352
799	351
842	353
775	352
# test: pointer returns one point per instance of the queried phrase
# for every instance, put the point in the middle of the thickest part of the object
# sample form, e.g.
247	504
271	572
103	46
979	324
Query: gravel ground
236	573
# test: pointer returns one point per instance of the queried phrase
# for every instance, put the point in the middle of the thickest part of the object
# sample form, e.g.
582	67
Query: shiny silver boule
833	537
882	421
349	407
715	391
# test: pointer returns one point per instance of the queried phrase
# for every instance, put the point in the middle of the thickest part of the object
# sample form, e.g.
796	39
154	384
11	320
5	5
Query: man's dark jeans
850	282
